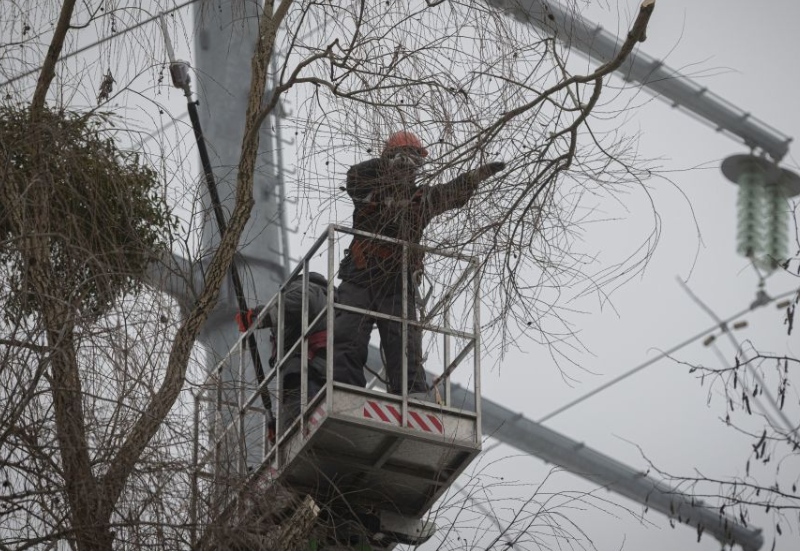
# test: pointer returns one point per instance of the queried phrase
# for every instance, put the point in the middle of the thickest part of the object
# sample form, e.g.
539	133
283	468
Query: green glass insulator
750	206
776	216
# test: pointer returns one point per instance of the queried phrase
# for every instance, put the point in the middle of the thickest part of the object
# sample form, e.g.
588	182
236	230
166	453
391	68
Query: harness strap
316	342
360	249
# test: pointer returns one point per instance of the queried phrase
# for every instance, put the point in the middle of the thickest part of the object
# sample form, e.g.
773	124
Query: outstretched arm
457	192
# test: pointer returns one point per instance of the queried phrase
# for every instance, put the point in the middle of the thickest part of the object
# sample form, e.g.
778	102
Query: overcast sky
747	53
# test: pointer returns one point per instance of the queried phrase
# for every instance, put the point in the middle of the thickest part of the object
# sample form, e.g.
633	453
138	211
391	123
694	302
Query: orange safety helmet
404	139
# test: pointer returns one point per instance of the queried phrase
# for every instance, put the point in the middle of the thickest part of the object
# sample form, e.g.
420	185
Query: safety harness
316	342
361	249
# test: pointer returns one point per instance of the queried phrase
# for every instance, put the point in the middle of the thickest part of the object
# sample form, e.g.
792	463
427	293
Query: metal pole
476	351
446	345
240	441
279	343
304	348
404	334
180	77
329	342
219	432
195	475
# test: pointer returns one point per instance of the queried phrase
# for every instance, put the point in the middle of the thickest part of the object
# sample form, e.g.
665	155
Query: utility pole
224	44
226	32
596	43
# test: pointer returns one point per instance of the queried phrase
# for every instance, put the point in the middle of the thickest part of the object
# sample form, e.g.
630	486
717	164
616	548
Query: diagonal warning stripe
388	413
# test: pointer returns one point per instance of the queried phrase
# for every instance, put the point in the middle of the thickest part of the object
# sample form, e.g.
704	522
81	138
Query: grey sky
745	52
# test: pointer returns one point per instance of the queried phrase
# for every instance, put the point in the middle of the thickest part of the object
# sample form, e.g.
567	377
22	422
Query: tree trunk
88	515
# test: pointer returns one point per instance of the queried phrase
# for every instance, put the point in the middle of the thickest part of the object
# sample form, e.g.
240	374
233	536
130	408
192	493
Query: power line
721	325
788	425
102	40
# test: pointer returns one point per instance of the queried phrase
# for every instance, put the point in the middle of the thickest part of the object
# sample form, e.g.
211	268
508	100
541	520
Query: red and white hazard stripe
318	415
388	413
265	479
425	421
315	419
382	412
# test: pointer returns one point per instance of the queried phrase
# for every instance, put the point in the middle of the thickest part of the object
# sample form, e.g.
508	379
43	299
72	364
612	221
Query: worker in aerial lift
292	329
388	201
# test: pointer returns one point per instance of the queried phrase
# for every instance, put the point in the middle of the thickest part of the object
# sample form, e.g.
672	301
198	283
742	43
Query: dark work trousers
291	394
352	332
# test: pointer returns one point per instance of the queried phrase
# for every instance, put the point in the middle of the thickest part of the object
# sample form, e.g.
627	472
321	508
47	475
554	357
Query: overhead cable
722	325
788	426
101	41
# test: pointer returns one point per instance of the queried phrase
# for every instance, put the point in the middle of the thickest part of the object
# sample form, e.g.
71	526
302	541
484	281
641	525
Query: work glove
486	171
246	320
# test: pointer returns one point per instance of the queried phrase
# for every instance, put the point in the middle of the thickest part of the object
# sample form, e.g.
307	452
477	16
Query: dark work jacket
292	323
387	202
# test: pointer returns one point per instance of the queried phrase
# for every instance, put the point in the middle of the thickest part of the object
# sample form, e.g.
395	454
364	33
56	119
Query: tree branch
149	423
53	53
638	33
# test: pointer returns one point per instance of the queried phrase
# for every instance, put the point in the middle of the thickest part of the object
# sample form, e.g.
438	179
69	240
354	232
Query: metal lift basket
356	445
359	453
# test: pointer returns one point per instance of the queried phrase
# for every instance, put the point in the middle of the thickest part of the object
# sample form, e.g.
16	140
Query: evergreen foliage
68	189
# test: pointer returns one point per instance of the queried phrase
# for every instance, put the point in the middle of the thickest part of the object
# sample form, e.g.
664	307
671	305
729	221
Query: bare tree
94	431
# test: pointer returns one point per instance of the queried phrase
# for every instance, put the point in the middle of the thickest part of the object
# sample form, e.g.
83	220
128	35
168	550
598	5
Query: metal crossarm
532	438
664	82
